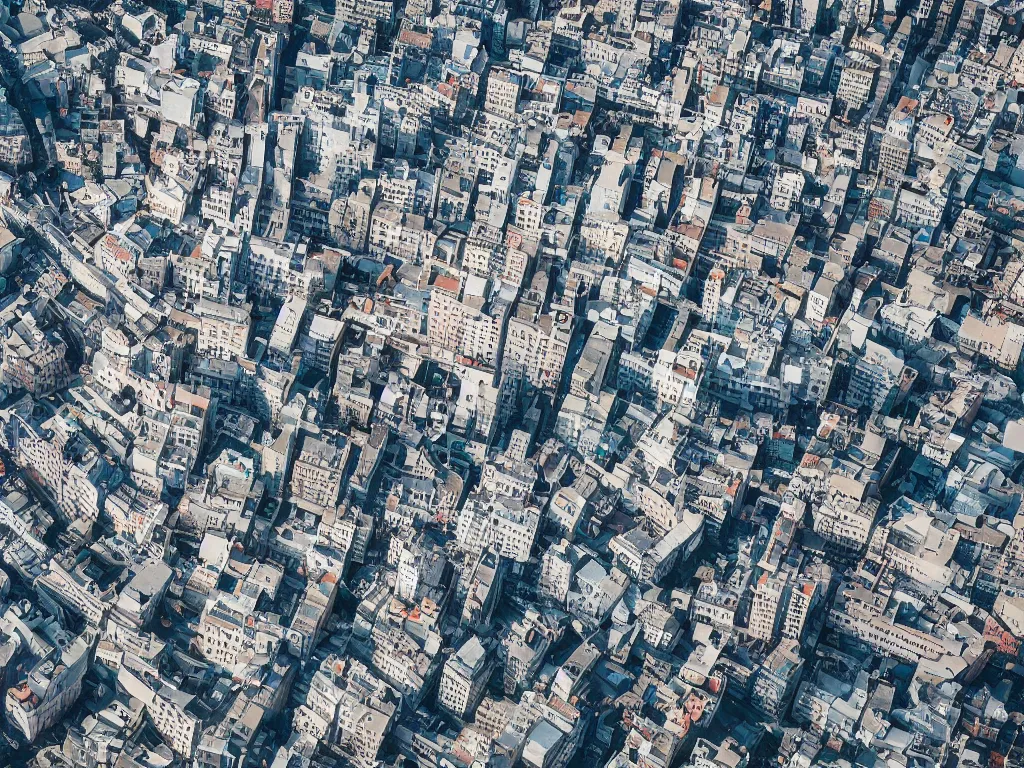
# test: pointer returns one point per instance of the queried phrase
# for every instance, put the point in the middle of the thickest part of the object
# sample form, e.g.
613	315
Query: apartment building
317	471
1000	342
464	678
347	529
715	604
174	713
220	99
764	611
15	145
230	632
365	13
408	665
223	329
880	379
536	350
60	457
781	605
885	636
712	295
507	525
591	371
845	516
502	95
227	499
804	596
312	614
349	706
776	680
33	359
917	206
141	597
786	190
649	558
403	234
894	157
274	269
672	378
467	316
544	731
41	698
857	81
557	564
68	584
134	515
321	342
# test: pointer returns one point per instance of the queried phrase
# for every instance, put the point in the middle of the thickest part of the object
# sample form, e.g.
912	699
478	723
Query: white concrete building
464	678
507	525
